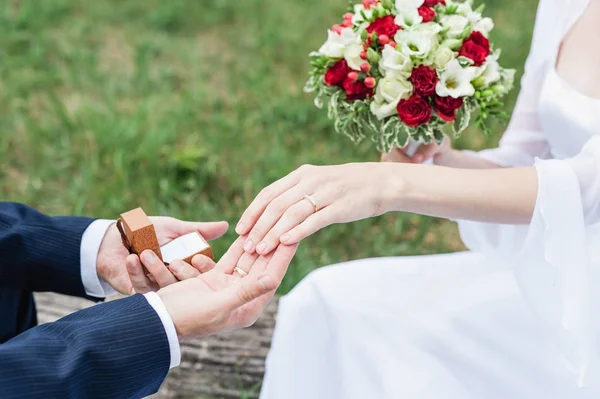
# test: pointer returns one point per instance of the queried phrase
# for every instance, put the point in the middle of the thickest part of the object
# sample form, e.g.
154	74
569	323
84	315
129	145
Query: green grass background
189	108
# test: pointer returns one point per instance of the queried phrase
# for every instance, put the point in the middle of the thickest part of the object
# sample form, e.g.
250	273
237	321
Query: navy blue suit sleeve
117	350
39	252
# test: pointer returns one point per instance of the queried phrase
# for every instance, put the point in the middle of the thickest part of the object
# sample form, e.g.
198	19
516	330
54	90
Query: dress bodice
567	117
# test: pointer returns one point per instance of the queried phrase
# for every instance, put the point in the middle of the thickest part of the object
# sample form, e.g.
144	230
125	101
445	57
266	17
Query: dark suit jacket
113	350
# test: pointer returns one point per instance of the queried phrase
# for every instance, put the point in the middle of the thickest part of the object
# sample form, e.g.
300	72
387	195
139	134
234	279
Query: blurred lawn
189	108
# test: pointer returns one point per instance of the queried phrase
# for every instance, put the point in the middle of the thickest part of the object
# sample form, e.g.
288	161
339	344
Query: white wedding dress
517	317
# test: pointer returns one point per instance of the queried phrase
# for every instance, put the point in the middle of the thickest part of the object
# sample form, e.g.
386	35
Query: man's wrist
159	306
90	245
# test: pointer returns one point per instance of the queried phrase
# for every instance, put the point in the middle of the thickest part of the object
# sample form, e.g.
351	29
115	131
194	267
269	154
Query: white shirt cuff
158	305
90	245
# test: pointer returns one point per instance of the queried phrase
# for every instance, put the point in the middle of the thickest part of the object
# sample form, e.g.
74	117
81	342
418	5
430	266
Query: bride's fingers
314	223
295	215
424	152
270	216
268	194
396	155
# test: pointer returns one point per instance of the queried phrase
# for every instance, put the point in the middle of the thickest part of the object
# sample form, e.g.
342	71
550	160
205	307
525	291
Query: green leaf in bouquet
480	9
463	117
467	31
438	135
451	9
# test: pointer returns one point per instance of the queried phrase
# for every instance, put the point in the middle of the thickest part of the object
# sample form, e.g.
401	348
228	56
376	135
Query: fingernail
285	238
248	245
239	228
261	247
148	256
130	263
265	283
176	267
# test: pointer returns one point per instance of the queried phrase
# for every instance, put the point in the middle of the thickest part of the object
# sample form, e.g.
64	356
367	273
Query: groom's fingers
231	257
157	269
139	281
203	263
182	270
208	230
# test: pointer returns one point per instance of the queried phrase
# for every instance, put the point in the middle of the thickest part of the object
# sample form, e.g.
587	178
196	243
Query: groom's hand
223	298
112	255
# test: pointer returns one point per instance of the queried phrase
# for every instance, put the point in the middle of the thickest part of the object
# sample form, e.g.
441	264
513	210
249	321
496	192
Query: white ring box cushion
185	248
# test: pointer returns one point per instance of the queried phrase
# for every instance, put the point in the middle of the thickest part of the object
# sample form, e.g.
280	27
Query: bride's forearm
463	160
505	195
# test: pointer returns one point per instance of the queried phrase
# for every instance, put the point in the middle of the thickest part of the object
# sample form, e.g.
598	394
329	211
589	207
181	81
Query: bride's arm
506	195
345	193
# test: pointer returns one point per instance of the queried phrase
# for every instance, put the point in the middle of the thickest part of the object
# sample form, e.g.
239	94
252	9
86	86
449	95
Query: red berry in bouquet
383	39
476	48
446	107
370	82
424	79
415	111
356	90
336	75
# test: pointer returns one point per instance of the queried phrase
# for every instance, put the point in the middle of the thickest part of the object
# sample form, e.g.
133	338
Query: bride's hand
341	193
424	153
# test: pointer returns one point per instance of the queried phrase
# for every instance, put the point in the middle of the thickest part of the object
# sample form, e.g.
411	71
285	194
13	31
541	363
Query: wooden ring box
138	234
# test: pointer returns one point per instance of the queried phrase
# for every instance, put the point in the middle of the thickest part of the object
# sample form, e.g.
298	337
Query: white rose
408	19
489	72
352	56
336	44
455	81
455	24
431	28
484	26
443	56
407	13
402	5
415	44
357	13
394	63
388	94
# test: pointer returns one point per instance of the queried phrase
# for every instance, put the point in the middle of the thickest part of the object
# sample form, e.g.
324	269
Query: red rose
476	47
356	90
424	79
433	3
427	13
415	111
336	75
384	26
447	106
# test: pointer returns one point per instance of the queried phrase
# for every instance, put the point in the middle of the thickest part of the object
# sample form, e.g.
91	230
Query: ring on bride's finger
313	202
239	271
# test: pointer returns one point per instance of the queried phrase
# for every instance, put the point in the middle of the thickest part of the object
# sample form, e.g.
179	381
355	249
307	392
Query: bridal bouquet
401	72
